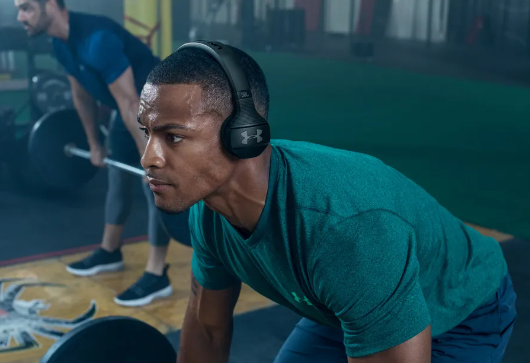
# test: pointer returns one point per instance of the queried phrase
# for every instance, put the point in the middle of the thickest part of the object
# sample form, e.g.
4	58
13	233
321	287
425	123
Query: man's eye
174	139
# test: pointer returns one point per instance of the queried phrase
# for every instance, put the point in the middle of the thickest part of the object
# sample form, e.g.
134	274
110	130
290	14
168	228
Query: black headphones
244	134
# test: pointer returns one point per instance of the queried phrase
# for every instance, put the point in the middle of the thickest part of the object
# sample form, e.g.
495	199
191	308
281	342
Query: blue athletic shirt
98	51
345	240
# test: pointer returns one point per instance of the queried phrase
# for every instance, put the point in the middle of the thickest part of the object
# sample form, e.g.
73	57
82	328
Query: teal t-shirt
347	241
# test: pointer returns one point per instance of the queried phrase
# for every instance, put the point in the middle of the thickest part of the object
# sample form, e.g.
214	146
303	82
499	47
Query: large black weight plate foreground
50	92
112	339
177	226
46	155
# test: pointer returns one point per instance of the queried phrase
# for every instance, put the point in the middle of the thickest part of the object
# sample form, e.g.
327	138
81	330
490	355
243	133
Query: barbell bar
72	150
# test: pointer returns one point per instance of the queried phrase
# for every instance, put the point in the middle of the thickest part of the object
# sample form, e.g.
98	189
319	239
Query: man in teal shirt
377	268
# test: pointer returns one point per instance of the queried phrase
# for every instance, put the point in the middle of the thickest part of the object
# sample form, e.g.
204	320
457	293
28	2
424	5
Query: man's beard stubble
40	28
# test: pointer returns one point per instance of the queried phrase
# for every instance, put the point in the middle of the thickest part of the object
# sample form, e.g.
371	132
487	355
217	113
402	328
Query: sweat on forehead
181	98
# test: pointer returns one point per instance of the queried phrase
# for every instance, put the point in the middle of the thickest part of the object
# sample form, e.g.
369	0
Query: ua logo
299	300
246	137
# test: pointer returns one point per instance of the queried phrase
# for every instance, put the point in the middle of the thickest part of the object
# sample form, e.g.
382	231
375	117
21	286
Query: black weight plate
50	92
48	161
110	340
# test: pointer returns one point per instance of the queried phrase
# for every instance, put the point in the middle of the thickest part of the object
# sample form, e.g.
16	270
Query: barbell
57	159
57	142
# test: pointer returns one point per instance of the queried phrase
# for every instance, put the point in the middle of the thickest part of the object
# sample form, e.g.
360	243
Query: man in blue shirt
107	64
378	270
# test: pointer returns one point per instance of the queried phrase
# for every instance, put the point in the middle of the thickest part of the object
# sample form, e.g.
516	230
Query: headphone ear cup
244	140
250	142
245	134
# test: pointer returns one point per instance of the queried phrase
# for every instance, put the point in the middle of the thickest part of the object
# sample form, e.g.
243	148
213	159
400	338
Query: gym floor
76	295
463	141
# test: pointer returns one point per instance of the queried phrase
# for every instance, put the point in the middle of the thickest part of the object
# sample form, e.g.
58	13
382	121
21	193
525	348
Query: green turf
464	141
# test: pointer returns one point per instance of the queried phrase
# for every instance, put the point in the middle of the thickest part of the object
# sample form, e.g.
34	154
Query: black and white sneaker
99	261
148	288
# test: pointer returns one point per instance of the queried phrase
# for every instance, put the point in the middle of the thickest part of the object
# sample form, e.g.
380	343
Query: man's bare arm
87	109
124	92
207	329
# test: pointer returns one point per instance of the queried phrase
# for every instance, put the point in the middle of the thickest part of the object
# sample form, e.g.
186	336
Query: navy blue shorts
482	337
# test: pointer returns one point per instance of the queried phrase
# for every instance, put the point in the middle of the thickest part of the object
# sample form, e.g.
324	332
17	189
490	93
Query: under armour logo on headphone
246	136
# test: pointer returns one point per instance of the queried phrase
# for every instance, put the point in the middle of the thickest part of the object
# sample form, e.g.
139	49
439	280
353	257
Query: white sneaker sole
146	300
111	267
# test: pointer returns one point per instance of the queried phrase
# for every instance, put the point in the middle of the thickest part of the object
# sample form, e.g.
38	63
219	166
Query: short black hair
195	66
60	3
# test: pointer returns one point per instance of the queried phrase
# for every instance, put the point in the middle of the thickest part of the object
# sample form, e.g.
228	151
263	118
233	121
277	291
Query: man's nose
21	17
153	155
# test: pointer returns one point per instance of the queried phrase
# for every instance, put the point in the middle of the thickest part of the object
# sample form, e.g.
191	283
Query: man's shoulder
91	21
91	29
312	166
301	150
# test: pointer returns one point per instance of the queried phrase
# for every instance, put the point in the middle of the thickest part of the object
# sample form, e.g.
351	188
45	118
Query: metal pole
322	18
229	12
528	29
429	23
351	28
166	28
505	18
71	150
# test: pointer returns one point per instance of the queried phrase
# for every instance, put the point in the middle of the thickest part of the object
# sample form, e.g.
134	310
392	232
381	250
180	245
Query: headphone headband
227	60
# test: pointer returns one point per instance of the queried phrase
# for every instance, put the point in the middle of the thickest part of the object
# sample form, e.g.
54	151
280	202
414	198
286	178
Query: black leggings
118	203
